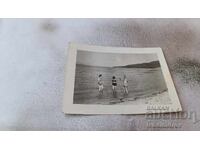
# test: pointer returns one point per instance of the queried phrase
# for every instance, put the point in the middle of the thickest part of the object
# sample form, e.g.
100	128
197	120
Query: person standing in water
114	84
125	85
100	84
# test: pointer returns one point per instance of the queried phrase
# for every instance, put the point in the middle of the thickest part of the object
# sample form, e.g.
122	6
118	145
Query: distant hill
83	65
153	64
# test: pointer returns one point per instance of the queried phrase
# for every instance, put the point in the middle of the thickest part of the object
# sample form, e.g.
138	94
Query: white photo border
70	68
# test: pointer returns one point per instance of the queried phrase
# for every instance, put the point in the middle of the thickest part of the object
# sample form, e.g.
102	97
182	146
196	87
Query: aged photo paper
118	80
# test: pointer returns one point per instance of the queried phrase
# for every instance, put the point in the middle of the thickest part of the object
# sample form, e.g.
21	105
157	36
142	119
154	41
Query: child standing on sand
125	85
100	84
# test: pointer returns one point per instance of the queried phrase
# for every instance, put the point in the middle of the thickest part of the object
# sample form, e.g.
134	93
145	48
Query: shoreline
158	98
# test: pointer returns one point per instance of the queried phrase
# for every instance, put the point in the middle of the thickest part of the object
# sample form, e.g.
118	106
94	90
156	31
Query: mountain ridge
152	64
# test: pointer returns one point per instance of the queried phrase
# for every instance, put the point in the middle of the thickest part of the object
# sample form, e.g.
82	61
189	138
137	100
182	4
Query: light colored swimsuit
125	83
100	83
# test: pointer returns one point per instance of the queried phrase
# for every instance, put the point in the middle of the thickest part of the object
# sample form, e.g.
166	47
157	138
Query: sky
112	59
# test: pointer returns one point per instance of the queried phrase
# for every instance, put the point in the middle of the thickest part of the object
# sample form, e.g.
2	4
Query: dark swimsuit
114	82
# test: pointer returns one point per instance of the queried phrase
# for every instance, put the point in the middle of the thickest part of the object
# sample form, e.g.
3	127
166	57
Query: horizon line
118	66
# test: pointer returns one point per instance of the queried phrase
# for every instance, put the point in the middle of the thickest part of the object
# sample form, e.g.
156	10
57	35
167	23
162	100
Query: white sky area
112	59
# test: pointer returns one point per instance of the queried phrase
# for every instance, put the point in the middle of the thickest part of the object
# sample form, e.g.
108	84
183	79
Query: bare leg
99	91
124	90
127	90
114	91
102	91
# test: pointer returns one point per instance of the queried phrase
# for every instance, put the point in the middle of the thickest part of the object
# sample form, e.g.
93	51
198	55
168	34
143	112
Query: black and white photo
108	78
112	78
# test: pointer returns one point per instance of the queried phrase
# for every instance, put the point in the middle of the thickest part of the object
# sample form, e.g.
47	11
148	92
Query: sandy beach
159	98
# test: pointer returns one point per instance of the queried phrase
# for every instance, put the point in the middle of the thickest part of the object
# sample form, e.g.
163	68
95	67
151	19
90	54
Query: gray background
32	59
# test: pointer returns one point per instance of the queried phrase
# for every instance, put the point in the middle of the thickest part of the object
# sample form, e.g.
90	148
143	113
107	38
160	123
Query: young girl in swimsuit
114	84
125	85
100	84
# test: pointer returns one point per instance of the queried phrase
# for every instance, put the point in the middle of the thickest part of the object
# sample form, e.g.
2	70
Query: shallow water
142	82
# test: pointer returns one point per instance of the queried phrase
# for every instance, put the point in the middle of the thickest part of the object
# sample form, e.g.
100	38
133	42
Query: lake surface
142	82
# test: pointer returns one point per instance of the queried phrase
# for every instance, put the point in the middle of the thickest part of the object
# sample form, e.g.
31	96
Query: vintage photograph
118	80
